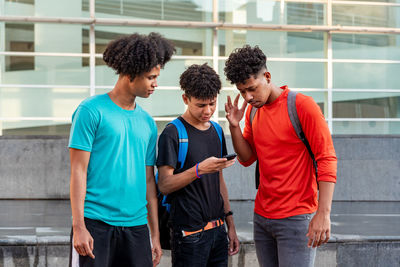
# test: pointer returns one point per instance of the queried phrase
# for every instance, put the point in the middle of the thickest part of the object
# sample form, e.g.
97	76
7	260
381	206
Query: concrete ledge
34	256
330	255
36	233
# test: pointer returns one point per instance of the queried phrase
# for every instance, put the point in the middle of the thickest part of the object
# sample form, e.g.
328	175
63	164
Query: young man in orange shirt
290	218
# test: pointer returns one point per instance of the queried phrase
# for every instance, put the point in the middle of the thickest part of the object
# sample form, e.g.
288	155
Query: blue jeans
283	242
206	248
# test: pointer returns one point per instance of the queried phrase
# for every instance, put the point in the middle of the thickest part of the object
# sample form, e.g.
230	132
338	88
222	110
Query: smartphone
230	156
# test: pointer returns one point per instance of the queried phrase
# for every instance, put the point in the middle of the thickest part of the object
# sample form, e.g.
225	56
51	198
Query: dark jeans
283	242
206	248
115	246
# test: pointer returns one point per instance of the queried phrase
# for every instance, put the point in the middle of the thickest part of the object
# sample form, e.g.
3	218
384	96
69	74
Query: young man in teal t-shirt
112	150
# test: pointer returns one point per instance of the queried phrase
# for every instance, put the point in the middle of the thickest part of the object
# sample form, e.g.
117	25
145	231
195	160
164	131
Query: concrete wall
368	169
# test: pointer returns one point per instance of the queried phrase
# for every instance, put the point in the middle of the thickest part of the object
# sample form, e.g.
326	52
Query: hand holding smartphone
230	156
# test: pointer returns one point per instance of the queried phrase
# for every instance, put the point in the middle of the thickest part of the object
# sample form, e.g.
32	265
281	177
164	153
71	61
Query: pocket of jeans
193	238
95	226
301	217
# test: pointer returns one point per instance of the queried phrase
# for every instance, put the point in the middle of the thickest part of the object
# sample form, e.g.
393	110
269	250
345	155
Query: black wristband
228	213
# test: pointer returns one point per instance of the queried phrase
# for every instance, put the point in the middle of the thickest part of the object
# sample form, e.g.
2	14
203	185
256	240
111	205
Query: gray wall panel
368	169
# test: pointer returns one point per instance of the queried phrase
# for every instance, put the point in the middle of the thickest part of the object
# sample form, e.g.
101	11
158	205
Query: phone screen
230	156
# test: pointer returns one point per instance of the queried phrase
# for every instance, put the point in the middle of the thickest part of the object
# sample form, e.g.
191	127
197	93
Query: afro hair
200	81
135	54
243	63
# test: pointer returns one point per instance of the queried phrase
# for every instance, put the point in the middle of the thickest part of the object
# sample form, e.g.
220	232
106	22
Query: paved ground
49	221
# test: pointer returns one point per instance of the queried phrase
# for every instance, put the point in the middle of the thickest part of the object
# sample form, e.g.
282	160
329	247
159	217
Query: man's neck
121	97
195	123
275	93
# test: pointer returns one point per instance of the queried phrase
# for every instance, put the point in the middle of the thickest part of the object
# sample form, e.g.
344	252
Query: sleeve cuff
84	148
248	162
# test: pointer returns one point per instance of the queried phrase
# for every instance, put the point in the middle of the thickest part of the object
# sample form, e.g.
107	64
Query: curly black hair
244	62
200	81
137	53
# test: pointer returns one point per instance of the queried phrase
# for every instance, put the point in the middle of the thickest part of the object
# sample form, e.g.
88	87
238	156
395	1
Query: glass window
366	46
269	12
366	105
46	8
58	38
364	15
292	74
384	1
273	43
305	13
250	11
169	76
186	10
163	103
188	42
40	102
57	102
44	70
369	76
366	127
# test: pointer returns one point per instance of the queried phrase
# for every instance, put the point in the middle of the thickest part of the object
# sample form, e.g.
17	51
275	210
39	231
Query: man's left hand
233	241
319	230
156	251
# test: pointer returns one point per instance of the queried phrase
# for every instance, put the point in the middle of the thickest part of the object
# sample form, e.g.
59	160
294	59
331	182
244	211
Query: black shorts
115	246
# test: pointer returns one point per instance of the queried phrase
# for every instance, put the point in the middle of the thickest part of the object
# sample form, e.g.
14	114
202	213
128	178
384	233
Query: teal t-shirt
122	143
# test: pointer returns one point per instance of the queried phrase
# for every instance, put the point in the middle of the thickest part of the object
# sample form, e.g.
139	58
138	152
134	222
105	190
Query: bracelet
228	213
197	171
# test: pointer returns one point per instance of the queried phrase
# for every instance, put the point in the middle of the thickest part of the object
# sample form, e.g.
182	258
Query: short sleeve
168	147
151	148
83	129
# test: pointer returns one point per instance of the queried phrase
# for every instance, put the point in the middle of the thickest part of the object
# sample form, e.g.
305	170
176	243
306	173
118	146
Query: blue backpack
164	207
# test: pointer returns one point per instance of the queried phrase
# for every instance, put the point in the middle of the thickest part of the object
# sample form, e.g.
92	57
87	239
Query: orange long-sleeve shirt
287	177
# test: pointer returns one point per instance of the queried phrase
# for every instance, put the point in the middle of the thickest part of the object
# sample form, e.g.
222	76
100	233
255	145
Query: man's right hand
213	164
83	241
233	114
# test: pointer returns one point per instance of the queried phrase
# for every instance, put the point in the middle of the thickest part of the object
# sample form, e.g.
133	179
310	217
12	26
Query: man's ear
185	99
267	76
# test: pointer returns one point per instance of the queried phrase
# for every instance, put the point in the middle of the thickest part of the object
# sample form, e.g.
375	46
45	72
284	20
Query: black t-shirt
200	201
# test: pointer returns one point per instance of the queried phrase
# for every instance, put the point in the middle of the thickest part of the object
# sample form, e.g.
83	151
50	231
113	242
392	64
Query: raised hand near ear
233	114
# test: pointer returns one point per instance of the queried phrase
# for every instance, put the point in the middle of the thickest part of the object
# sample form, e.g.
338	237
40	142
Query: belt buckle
215	223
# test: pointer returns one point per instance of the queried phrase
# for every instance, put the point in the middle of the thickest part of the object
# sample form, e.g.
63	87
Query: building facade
345	54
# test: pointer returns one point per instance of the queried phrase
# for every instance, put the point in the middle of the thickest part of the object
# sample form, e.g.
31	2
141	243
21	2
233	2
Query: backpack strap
294	119
257	170
252	114
183	141
182	152
219	132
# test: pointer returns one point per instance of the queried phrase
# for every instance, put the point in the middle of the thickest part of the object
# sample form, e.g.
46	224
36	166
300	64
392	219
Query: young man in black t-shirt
197	192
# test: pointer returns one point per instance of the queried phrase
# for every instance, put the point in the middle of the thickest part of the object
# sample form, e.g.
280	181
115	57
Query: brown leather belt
209	225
